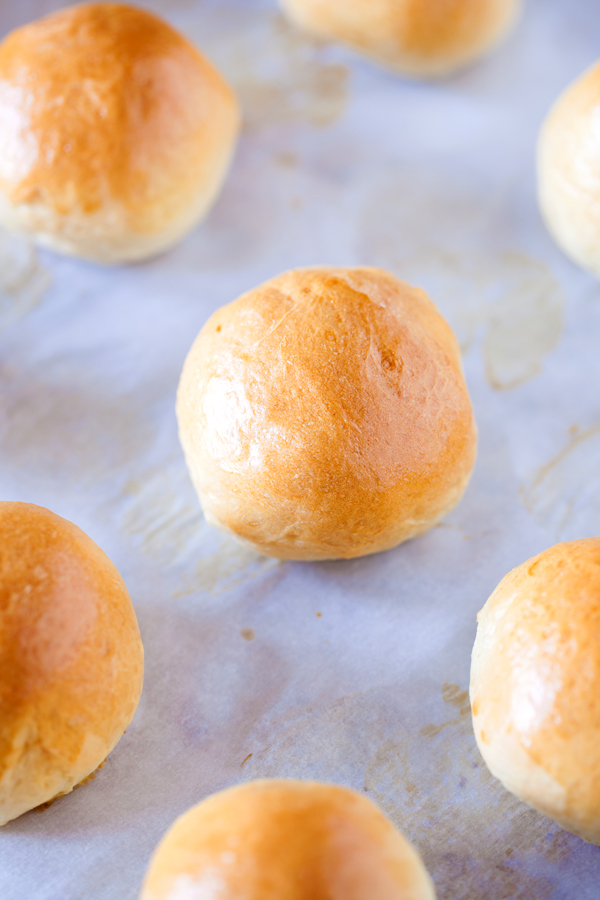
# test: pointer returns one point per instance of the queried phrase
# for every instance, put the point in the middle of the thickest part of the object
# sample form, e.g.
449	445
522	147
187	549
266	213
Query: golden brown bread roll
115	133
420	38
569	171
535	684
71	657
325	414
286	840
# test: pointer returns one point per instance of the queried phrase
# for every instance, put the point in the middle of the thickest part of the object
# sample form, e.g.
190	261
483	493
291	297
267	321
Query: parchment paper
352	672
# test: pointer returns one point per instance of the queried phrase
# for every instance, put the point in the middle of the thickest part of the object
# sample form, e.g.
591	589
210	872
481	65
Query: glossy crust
71	657
286	840
325	414
535	684
569	171
420	38
115	133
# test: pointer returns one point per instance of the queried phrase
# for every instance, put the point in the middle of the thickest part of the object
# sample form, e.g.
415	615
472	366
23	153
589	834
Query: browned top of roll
439	28
71	658
419	37
289	840
106	102
568	175
537	675
327	407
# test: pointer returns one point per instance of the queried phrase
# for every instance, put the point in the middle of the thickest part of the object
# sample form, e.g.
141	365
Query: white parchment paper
352	672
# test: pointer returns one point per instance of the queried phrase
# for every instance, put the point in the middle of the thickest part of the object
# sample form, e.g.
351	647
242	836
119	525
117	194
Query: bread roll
71	657
419	38
535	684
569	171
325	415
286	840
115	133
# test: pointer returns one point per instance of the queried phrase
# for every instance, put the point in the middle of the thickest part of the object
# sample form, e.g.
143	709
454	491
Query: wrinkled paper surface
353	672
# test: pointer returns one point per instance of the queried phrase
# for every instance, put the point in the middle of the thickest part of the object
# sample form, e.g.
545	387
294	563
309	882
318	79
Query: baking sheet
353	672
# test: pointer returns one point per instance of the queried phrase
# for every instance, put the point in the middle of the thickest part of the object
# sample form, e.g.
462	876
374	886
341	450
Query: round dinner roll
419	38
286	840
535	684
115	132
325	415
71	657
568	164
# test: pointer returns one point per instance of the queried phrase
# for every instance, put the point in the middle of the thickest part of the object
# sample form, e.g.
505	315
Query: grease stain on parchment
476	839
163	515
451	693
286	159
524	323
434	236
229	566
282	76
23	281
564	494
458	802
